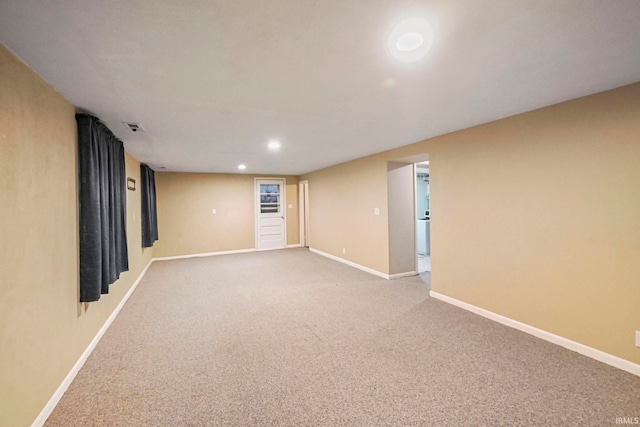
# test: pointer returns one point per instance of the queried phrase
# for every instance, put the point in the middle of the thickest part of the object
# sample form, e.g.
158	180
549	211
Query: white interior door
270	214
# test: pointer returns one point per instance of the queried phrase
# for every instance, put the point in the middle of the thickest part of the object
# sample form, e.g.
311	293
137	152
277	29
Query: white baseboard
598	355
363	268
405	274
352	264
51	404
237	251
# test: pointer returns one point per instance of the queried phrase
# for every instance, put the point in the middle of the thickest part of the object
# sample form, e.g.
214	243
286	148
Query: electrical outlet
637	338
376	211
344	251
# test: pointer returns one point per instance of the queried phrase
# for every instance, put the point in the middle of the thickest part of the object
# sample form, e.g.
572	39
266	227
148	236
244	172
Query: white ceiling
213	80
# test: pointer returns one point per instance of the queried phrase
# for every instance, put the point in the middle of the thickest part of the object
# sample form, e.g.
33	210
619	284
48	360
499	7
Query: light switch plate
637	338
213	211
376	211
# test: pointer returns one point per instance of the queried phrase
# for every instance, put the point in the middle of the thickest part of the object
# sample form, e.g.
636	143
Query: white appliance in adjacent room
424	236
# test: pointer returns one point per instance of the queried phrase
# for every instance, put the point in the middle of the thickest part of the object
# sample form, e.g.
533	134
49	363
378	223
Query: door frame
256	208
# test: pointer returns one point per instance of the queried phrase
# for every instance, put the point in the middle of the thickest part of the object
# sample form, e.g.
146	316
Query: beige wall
293	211
188	226
535	217
342	200
43	327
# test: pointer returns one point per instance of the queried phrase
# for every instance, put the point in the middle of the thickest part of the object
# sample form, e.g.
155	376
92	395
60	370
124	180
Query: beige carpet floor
289	338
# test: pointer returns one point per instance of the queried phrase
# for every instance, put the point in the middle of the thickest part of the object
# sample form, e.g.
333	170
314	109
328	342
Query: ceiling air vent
134	127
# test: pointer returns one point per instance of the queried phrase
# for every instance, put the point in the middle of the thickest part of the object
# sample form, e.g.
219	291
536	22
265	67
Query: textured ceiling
213	81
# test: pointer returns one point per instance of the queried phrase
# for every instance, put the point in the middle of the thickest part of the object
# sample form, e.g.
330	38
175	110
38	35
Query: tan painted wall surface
188	226
342	200
543	212
43	327
535	217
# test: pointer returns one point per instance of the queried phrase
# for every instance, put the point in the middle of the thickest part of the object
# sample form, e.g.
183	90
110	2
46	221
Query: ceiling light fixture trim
411	40
273	145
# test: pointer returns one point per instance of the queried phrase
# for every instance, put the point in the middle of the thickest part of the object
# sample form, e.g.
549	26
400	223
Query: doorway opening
423	217
409	217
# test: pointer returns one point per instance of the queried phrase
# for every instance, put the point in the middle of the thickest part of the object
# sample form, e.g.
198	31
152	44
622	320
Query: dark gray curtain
103	215
149	217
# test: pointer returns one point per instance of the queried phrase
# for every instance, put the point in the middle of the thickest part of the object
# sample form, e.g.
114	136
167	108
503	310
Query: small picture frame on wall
131	184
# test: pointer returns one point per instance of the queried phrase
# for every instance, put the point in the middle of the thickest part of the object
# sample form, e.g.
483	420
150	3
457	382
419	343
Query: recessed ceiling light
273	145
242	167
411	40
